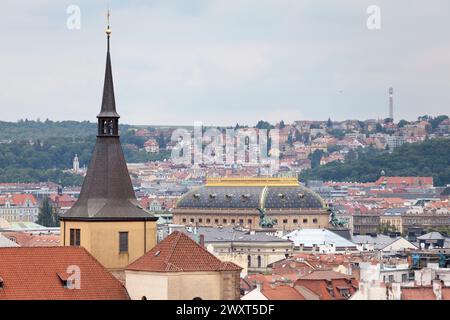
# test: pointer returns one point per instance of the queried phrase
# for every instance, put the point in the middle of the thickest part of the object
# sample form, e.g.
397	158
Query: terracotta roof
179	253
325	275
18	199
281	292
39	275
24	239
418	293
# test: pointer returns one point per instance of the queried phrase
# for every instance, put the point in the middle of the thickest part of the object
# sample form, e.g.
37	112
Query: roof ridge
173	246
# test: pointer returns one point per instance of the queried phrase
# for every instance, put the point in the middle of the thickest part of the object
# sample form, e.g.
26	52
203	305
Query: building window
249	221
216	221
192	220
224	220
184	220
75	235
404	277
259	261
249	261
295	221
285	221
233	221
208	220
200	220
241	221
391	278
314	220
123	242
305	220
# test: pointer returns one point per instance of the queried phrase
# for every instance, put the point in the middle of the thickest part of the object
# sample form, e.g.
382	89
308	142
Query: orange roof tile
281	292
38	276
178	253
423	293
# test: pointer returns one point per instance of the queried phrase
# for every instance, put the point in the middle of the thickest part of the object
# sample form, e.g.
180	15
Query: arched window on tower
110	127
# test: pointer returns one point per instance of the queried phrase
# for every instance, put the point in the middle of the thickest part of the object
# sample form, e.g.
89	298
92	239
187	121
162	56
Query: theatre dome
251	193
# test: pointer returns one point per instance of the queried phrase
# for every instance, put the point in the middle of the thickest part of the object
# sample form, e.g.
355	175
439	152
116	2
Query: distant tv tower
391	103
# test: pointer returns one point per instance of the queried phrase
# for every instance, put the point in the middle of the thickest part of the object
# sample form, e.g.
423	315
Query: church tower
76	164
107	219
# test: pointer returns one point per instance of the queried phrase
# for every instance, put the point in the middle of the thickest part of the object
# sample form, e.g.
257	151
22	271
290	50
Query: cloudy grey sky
225	61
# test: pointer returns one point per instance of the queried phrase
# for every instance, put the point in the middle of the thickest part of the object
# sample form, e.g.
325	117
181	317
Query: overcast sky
224	62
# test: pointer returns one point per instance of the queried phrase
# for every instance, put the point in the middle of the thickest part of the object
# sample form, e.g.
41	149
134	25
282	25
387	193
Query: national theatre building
253	203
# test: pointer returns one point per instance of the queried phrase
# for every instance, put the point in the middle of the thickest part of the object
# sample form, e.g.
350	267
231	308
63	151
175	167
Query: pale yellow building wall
145	284
101	239
187	286
173	286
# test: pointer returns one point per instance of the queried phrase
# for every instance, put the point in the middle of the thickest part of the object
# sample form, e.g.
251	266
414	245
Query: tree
402	123
315	158
351	155
47	217
282	125
436	121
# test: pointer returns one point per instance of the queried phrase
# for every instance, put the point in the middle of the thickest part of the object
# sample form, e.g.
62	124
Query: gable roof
179	253
311	237
38	277
432	236
25	239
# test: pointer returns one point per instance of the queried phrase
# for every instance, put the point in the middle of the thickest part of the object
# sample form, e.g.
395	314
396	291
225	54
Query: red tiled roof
281	292
24	239
424	293
328	285
406	180
38	277
178	253
325	275
18	199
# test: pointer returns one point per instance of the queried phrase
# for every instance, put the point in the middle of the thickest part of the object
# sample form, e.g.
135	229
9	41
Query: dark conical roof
108	102
107	192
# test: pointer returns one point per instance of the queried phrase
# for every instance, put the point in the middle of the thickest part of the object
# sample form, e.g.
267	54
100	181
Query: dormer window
64	278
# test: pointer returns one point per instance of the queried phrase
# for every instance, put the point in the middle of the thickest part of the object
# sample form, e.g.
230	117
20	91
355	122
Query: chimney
202	240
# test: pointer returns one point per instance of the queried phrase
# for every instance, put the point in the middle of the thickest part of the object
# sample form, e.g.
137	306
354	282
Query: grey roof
432	236
395	211
229	234
107	192
236	197
379	242
6	243
311	237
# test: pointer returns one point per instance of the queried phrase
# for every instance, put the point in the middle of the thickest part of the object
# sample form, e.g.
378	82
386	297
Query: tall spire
108	102
107	192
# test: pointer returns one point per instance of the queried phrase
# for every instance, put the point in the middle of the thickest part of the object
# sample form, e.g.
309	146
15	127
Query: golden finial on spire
108	16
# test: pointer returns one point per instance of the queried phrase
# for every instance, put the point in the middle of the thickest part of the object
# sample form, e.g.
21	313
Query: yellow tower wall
101	239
